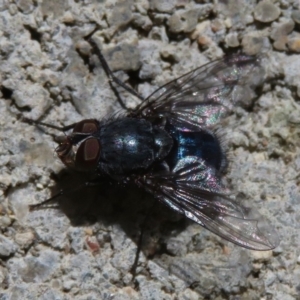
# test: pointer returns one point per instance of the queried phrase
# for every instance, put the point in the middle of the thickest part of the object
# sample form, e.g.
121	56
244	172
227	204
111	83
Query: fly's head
80	149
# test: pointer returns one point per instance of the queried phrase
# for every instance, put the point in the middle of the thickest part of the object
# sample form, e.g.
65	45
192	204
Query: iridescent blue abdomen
202	144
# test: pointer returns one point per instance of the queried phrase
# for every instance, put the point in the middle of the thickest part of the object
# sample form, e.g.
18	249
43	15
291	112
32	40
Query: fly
167	146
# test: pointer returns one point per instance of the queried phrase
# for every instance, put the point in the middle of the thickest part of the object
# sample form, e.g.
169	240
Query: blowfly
167	146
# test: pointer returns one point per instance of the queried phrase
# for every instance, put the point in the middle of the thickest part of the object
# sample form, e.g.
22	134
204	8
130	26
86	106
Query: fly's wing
194	190
200	97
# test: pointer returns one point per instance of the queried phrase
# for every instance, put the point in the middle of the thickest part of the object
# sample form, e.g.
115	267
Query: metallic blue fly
167	145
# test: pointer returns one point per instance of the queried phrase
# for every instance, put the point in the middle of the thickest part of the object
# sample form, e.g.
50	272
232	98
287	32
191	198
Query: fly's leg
112	78
140	242
138	251
46	203
36	122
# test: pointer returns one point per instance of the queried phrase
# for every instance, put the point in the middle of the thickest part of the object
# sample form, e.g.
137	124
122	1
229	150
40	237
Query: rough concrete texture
45	75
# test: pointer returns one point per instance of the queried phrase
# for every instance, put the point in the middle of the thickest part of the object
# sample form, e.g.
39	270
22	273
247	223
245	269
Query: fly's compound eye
83	130
86	126
88	154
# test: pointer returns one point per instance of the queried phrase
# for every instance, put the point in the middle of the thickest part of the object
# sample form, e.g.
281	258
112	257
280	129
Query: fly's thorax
131	145
81	148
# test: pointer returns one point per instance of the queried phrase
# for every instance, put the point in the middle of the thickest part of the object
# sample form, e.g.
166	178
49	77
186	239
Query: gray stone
143	22
175	23
24	240
266	11
177	246
170	52
151	290
236	14
296	16
5	221
294	43
123	57
232	40
7	246
150	68
37	269
119	12
255	42
165	6
187	20
56	9
159	33
26	6
3	5
160	18
280	33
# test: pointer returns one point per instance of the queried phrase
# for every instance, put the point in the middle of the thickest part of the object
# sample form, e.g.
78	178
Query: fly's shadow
146	221
152	226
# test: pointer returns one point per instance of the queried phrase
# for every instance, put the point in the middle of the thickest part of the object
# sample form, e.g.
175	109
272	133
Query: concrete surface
45	75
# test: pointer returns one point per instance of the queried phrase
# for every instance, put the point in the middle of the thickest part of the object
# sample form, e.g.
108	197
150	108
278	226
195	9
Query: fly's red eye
91	149
87	155
89	127
86	126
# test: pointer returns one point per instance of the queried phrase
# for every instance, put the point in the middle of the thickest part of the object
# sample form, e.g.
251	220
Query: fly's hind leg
112	78
140	241
47	203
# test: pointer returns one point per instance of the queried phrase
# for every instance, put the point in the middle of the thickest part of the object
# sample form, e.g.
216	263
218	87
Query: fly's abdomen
201	144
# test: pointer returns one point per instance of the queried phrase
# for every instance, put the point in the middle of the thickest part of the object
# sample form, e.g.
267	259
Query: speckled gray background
44	74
